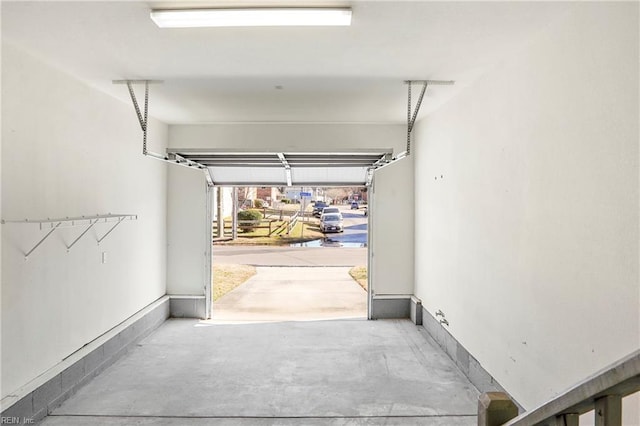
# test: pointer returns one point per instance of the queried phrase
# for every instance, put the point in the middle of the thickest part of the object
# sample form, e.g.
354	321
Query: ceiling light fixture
251	17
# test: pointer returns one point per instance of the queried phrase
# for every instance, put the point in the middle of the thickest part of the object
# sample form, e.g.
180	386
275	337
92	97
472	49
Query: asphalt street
354	235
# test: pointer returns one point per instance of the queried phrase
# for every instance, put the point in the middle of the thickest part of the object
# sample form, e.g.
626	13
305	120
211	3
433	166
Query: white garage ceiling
349	74
323	74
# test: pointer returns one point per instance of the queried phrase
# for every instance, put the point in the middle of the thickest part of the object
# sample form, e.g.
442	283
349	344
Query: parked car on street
331	222
318	207
355	205
327	210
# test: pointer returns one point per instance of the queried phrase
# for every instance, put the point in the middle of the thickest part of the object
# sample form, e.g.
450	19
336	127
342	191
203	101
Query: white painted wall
394	261
527	206
1	227
186	231
392	220
68	150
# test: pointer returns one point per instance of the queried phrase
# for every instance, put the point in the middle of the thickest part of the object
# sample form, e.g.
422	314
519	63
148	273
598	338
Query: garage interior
516	267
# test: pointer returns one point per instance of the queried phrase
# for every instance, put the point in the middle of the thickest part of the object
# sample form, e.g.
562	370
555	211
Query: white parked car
331	210
331	222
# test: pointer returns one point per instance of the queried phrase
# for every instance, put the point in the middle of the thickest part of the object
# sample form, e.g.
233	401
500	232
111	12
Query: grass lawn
359	273
294	207
228	277
261	232
311	232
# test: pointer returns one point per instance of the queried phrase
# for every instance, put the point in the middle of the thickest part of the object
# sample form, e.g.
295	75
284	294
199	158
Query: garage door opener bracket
412	114
143	119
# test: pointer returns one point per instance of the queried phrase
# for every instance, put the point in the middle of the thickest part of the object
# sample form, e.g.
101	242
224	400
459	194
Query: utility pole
234	214
220	218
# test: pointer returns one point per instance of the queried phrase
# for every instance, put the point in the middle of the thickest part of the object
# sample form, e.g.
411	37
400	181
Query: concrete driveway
294	294
292	284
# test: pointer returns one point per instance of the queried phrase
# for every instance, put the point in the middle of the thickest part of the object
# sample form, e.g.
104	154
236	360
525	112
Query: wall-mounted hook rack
80	236
89	221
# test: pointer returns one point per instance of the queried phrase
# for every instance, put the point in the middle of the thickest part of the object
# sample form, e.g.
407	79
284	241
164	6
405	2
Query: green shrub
248	215
286	201
258	203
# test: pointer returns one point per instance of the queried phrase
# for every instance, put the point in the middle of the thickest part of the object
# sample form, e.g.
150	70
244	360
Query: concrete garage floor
344	372
294	293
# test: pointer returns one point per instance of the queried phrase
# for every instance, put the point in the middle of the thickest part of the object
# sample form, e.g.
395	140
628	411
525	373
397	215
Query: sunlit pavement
294	294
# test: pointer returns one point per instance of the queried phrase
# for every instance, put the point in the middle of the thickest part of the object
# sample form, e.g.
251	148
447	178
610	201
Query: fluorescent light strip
258	17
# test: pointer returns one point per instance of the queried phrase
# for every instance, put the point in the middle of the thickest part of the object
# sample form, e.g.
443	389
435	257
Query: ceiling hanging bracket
412	115
143	117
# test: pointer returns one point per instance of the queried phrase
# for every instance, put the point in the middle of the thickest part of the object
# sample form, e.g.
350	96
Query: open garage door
263	169
236	168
